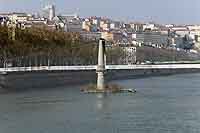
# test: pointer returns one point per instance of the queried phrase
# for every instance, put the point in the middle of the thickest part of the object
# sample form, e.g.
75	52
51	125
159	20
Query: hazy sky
162	11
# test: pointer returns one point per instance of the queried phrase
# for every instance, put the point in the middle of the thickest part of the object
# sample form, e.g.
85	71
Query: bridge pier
101	66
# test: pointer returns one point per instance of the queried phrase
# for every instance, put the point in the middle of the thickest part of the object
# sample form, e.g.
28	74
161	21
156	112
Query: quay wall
23	81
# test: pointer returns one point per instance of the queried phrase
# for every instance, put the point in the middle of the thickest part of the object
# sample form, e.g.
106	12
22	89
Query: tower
50	10
101	66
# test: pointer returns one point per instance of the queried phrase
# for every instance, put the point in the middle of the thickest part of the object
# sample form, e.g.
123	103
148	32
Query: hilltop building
69	23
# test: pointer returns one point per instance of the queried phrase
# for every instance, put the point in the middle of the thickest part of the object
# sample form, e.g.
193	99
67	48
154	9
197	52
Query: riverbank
47	80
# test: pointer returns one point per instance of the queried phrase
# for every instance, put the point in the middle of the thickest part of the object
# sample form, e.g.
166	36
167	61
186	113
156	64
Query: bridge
101	67
94	67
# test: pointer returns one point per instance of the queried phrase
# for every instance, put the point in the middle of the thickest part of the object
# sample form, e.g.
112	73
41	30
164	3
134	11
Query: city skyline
170	11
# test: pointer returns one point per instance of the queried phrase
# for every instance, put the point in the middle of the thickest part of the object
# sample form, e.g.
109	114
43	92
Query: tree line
40	46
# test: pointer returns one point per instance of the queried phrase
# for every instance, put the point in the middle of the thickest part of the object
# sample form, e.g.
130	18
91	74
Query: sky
161	11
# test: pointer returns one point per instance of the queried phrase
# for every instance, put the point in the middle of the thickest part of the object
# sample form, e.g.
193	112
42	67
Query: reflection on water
162	105
100	102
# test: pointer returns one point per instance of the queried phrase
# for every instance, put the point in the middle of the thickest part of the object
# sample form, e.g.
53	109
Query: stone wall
45	80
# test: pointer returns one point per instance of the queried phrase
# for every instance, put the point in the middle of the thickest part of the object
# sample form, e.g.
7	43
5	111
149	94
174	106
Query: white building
181	30
19	17
149	26
138	27
112	26
151	38
115	25
129	55
193	27
169	25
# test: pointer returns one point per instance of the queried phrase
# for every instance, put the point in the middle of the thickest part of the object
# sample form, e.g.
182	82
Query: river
162	105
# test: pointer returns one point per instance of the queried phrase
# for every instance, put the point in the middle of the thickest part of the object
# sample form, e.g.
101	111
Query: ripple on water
162	105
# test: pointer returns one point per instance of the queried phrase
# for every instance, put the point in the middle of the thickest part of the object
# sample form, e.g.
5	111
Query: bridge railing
48	68
94	67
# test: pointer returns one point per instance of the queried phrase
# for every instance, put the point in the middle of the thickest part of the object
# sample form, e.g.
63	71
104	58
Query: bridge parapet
97	68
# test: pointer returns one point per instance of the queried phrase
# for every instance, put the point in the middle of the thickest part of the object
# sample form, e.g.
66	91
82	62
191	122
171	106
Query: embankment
46	80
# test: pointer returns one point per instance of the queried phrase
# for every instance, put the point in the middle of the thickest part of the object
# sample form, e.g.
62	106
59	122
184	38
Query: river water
162	105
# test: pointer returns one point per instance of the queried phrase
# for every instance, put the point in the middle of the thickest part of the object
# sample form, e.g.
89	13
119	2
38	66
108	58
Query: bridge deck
93	67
